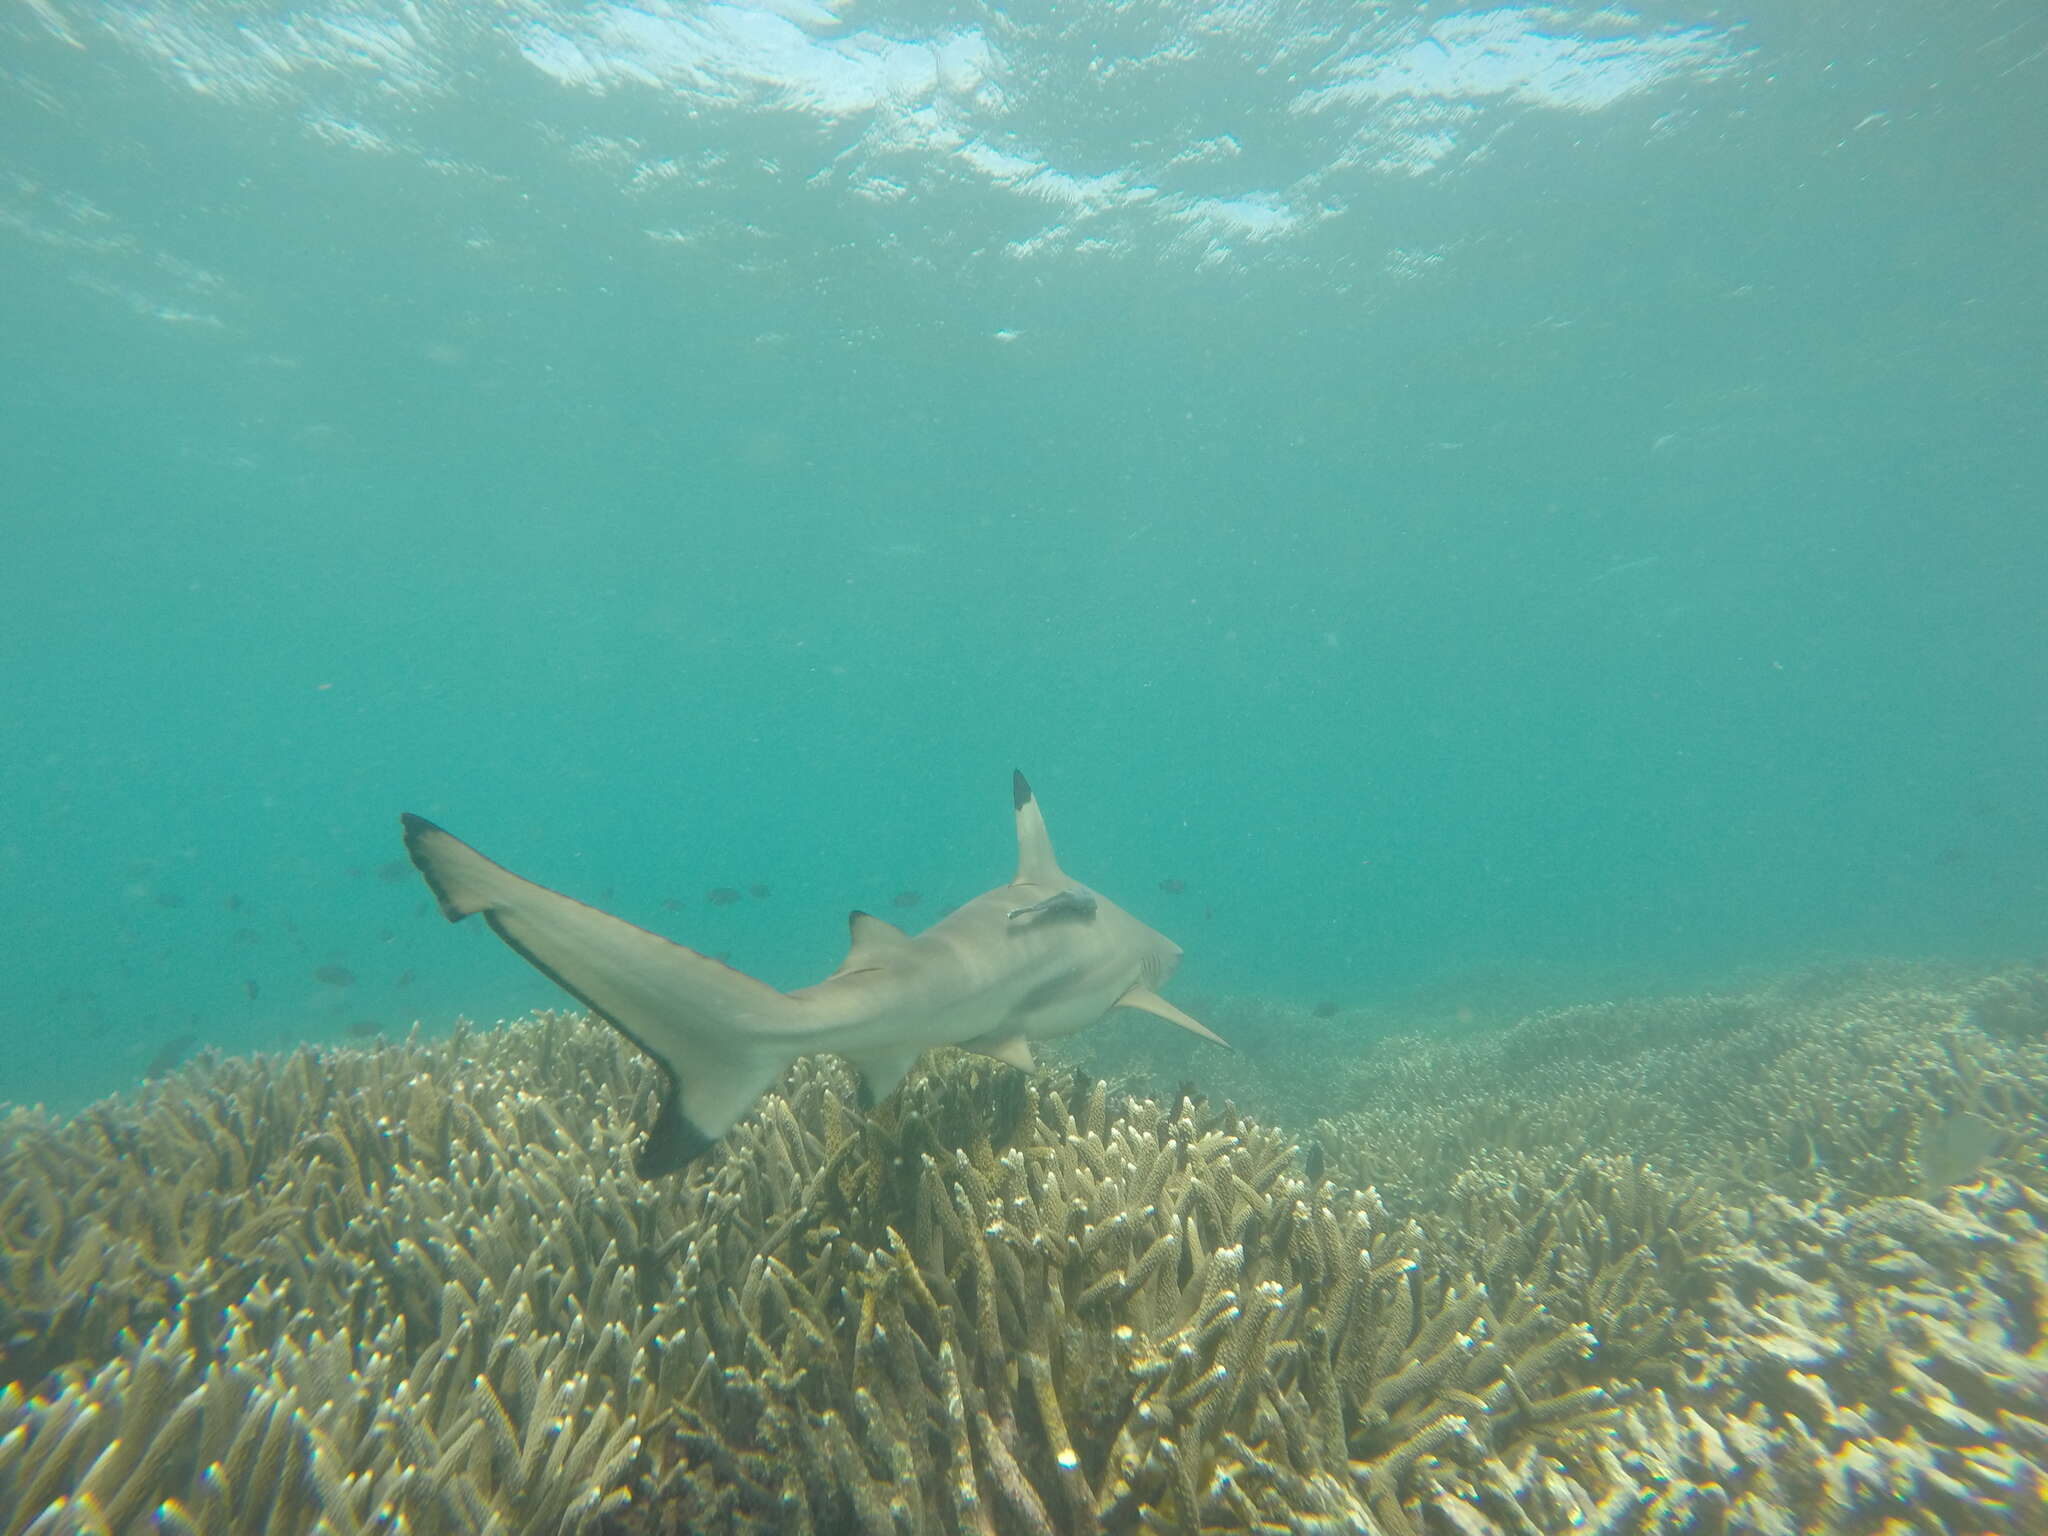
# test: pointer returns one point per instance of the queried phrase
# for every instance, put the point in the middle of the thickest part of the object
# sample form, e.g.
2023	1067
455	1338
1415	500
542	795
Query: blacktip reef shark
1036	959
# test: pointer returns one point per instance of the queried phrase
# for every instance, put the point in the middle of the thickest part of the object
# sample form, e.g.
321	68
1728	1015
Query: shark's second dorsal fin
1035	863
872	941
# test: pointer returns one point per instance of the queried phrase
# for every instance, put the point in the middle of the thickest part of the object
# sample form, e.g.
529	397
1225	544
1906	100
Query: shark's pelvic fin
722	1038
1151	1002
1014	1049
1035	863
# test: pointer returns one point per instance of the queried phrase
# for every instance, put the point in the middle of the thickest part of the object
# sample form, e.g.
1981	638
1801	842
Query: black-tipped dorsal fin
1151	1002
872	940
1035	863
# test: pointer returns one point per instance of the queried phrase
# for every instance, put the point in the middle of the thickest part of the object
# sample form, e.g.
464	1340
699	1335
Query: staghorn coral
1787	1090
416	1286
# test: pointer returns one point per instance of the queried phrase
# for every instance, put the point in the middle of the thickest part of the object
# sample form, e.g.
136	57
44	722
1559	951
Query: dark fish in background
1326	1009
404	979
1173	887
354	871
168	899
249	990
169	1054
233	903
335	975
365	1029
723	896
392	871
248	936
671	905
905	899
385	936
758	892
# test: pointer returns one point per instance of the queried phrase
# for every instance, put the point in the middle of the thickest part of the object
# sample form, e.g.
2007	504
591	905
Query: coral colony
1772	1264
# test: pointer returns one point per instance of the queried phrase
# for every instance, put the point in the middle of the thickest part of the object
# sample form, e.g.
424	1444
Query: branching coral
418	1287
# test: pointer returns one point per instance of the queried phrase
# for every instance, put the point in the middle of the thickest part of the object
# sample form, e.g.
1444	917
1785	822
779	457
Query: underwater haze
1546	499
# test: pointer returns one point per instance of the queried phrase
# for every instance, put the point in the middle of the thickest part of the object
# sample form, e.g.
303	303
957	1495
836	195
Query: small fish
169	1054
1325	1009
1059	903
248	936
758	892
404	979
905	899
722	896
335	975
168	899
250	989
233	903
670	904
365	1029
1173	887
391	871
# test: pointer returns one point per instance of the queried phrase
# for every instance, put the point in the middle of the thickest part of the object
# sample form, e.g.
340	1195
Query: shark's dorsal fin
1142	996
872	941
1035	863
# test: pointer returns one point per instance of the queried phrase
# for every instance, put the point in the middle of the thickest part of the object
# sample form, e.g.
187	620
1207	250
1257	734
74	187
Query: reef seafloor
1774	1262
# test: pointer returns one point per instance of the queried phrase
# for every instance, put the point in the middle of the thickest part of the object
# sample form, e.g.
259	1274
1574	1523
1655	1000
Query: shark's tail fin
721	1037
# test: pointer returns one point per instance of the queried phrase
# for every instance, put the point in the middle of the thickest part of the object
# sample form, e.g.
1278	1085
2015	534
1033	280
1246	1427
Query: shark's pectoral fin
881	1073
1144	997
1014	1049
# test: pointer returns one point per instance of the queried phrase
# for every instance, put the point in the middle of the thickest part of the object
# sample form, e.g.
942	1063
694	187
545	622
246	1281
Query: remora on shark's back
1038	958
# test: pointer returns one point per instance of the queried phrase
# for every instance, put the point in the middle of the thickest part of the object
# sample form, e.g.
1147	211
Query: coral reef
1767	1264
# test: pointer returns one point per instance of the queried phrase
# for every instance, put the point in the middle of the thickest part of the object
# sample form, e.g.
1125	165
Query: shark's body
1036	959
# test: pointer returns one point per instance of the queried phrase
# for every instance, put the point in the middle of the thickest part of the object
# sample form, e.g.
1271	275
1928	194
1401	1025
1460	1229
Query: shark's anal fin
1035	863
1014	1049
1145	998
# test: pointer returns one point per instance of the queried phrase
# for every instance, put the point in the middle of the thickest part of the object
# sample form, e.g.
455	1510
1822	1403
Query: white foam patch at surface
1227	128
1516	54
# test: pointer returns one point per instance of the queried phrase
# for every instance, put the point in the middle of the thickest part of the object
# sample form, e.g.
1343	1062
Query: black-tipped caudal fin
721	1037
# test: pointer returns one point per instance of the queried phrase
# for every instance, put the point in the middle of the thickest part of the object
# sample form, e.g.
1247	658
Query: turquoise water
1547	495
